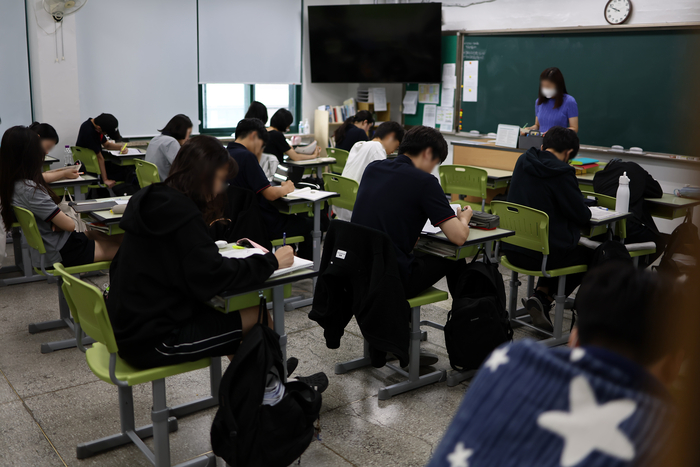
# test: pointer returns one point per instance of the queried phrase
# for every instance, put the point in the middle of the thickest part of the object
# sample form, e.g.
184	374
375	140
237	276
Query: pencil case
484	220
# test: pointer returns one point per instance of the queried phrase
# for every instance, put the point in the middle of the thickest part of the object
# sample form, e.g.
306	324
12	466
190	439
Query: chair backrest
146	173
464	180
608	202
345	187
87	157
531	226
87	306
341	158
30	229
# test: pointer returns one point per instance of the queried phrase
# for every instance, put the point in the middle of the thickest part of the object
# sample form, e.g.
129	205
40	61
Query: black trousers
427	269
555	260
296	225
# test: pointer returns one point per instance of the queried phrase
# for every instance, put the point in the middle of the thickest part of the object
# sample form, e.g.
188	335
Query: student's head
425	146
251	133
257	110
362	119
281	120
179	127
47	135
552	86
630	311
390	134
21	158
109	125
200	170
562	142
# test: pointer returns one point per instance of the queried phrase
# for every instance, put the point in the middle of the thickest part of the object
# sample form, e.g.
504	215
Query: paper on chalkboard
429	115
410	102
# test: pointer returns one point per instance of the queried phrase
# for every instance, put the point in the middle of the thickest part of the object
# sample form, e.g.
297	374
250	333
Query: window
222	106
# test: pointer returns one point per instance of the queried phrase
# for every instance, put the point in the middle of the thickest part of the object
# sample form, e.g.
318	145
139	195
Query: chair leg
414	381
559	337
530	285
126	417
206	402
513	299
341	368
159	416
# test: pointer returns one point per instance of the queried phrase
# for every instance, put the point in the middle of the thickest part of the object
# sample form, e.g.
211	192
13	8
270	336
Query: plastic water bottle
307	130
622	203
67	156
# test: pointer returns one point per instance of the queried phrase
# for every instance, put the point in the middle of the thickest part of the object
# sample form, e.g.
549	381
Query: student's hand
524	131
288	186
71	173
285	257
466	215
110	183
317	152
124	151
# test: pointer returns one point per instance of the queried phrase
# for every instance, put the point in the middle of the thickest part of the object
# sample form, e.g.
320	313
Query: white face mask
549	92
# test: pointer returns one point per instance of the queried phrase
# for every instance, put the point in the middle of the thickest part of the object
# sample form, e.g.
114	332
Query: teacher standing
554	106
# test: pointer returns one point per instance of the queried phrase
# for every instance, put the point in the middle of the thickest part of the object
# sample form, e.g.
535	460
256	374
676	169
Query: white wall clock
618	11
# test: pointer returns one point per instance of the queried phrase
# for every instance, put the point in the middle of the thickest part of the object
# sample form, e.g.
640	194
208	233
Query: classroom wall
15	100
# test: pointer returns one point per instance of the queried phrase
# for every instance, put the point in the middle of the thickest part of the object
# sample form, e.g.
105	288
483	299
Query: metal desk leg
278	321
23	262
316	244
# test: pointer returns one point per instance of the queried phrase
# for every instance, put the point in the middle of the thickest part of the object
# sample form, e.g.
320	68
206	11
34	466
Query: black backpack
247	433
478	321
610	250
682	251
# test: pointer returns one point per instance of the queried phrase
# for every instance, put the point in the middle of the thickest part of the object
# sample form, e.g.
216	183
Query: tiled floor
49	403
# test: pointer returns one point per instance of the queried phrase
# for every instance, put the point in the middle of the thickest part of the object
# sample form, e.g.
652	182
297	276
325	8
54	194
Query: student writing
49	139
22	185
93	135
354	129
169	267
163	148
277	144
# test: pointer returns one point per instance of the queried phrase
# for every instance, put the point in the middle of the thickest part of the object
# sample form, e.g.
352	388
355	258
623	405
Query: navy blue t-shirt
397	198
352	136
251	177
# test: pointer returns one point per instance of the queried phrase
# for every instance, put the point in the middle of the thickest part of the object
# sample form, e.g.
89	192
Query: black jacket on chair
359	277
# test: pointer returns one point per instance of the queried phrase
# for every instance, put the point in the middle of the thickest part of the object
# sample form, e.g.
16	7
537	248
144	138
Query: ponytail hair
361	116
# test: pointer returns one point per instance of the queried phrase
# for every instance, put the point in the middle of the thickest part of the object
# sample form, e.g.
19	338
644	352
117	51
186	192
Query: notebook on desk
129	152
320	160
599	214
241	253
308	194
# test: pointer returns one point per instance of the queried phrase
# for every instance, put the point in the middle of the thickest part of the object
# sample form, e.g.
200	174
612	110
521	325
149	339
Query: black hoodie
543	182
168	266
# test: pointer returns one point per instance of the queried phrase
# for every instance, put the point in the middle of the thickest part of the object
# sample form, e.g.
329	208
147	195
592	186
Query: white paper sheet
429	93
447	97
299	263
507	136
410	102
440	116
448	69
379	98
469	94
240	253
308	193
429	115
129	151
449	82
431	229
448	117
471	73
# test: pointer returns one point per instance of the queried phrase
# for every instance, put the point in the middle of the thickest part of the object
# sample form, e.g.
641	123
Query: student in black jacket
168	267
544	180
641	227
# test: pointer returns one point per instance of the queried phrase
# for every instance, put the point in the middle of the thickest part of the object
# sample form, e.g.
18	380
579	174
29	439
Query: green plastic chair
465	180
620	226
30	230
414	379
89	161
146	173
345	187
90	313
341	158
531	229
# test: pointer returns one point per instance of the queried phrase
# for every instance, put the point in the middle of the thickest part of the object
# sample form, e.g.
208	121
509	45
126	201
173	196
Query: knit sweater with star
531	405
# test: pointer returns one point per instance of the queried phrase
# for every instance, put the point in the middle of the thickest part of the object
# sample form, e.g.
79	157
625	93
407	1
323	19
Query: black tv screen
375	43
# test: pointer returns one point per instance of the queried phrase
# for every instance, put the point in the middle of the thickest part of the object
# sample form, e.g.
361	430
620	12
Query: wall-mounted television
396	43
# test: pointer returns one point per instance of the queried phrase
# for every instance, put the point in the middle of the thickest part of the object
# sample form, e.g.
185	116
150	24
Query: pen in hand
284	239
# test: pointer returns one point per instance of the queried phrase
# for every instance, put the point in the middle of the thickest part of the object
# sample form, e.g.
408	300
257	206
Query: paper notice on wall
447	97
469	94
379	99
471	74
410	102
448	69
445	118
429	93
449	79
429	115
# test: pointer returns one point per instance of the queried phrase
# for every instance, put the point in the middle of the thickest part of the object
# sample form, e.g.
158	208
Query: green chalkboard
449	55
631	87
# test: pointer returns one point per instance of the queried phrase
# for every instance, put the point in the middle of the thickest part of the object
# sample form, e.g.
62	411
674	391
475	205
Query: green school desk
48	160
318	164
123	159
439	245
78	188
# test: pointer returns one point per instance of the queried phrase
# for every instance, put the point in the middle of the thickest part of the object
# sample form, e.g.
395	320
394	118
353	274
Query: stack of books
585	165
340	113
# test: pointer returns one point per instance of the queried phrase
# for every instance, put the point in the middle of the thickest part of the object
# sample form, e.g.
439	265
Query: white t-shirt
162	151
361	155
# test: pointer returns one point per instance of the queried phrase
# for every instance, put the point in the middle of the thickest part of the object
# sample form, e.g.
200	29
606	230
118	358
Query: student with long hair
168	266
163	148
277	144
354	129
22	185
49	139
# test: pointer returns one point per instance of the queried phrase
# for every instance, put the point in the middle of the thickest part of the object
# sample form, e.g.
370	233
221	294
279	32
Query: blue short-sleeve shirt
548	116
